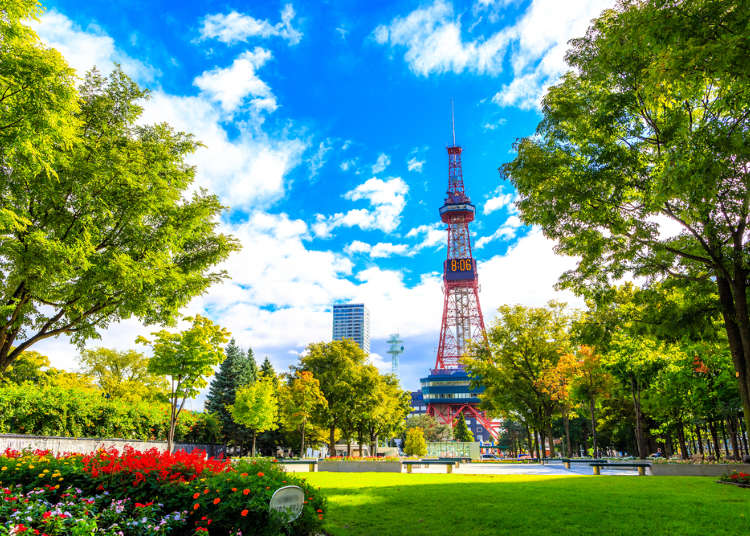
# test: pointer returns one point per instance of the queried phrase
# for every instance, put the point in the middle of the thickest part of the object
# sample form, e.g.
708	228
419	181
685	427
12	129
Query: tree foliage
640	164
113	234
461	430
122	375
415	444
237	370
256	406
431	428
187	358
299	399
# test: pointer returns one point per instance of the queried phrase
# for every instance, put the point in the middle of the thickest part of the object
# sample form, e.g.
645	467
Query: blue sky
325	126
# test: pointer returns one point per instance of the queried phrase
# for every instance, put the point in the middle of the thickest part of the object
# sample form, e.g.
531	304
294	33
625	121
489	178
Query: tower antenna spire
453	124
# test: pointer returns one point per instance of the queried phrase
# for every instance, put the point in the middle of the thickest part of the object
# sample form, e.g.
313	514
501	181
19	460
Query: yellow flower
4	469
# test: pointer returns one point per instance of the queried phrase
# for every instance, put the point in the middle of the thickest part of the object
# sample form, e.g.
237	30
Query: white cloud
434	235
526	274
387	199
84	49
237	27
537	42
494	124
433	41
497	202
381	163
539	59
506	231
243	171
318	160
415	165
380	250
231	85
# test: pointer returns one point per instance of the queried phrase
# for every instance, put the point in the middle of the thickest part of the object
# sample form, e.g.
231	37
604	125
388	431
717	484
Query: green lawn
390	504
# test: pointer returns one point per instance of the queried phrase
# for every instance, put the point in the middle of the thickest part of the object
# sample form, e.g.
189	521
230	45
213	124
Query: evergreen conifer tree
237	370
461	431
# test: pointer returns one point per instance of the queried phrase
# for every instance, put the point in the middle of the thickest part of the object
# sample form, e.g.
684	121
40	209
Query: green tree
384	418
431	428
299	399
415	444
122	374
38	115
640	163
591	382
335	364
115	234
30	367
187	358
237	370
256	407
523	343
461	430
635	362
557	382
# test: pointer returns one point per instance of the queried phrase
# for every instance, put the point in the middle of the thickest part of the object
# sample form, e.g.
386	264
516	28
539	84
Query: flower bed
134	493
736	477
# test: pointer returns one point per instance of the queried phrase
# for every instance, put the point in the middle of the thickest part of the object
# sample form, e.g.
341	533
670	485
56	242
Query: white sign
288	501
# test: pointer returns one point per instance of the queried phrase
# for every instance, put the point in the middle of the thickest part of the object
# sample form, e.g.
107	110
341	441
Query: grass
394	504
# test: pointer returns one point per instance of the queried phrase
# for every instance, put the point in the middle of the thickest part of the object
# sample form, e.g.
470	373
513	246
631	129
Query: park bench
448	464
568	461
641	466
549	460
456	460
311	463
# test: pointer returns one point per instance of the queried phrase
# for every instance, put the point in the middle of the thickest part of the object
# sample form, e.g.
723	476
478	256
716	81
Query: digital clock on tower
458	269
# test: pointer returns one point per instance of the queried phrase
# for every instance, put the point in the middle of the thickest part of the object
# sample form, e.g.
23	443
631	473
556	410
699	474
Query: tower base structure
448	394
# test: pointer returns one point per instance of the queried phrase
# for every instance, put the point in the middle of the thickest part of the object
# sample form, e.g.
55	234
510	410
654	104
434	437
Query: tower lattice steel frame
462	321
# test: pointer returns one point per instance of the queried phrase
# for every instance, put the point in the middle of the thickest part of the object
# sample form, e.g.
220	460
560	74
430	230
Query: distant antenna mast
396	349
453	125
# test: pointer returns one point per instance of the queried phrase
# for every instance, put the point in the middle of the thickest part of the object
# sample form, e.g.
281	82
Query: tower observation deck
447	390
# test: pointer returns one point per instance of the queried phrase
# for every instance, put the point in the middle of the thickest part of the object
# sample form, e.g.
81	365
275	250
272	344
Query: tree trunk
550	439
531	443
733	300
724	437
715	438
636	392
733	438
302	442
592	411
332	441
360	439
743	435
540	444
700	441
348	447
254	436
566	425
681	440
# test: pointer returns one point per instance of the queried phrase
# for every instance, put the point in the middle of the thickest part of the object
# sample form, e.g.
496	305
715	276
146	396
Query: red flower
245	491
217	500
260	474
243	513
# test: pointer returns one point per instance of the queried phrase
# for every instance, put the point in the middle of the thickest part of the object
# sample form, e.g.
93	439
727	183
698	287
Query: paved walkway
555	469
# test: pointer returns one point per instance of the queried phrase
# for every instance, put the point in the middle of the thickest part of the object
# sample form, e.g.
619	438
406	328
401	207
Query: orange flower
217	500
319	511
196	495
196	506
243	474
243	513
260	474
245	491
234	489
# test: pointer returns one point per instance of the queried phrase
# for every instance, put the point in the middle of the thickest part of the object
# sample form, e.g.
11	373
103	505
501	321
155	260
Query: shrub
415	444
228	497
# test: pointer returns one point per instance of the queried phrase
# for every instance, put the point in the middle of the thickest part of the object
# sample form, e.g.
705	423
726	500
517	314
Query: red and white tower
447	389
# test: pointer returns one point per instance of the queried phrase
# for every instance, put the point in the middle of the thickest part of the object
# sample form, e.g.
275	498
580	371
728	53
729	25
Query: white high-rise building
352	321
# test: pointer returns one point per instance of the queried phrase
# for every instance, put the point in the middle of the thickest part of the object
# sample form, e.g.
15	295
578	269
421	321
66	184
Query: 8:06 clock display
458	269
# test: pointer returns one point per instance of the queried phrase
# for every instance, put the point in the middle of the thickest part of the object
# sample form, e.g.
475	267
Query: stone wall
86	445
697	469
